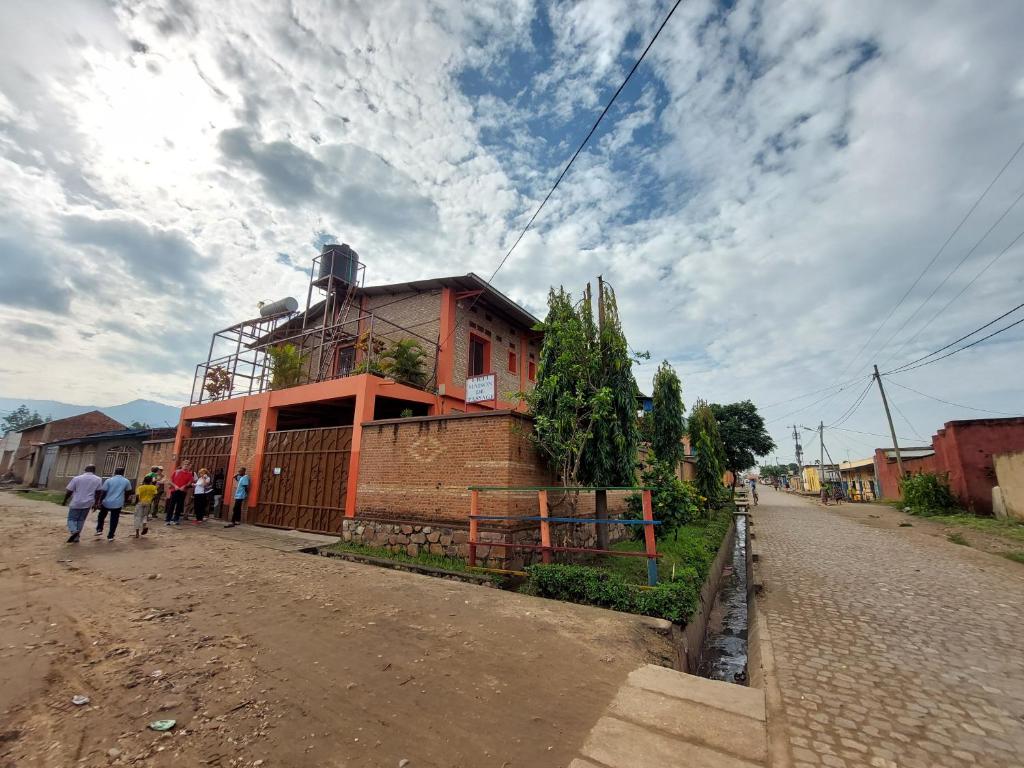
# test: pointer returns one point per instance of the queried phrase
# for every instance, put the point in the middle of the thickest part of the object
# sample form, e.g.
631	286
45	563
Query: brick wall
503	336
156	453
247	441
417	470
417	312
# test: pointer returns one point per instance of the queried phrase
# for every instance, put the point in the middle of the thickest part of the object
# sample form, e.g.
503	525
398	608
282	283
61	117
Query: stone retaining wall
414	538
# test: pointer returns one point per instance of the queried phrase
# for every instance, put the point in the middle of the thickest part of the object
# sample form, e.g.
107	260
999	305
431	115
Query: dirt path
893	647
284	658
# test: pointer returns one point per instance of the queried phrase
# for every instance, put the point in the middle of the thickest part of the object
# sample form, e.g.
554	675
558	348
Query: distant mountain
147	411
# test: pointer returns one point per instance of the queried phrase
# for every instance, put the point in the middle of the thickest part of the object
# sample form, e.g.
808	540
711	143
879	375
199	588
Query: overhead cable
911	365
947	402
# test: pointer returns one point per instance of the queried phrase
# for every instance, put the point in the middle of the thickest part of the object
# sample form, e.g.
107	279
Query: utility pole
892	429
600	497
799	458
821	450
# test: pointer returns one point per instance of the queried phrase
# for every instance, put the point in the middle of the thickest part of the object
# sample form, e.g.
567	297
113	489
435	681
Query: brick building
34	458
962	451
107	451
302	444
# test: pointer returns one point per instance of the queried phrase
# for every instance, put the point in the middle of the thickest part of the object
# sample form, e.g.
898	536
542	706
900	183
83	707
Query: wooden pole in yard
650	546
474	510
545	527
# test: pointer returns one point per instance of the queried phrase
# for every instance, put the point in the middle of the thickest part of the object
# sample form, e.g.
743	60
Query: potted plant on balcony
402	361
287	366
218	382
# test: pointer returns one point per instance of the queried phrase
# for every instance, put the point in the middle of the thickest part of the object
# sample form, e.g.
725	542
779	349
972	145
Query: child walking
144	496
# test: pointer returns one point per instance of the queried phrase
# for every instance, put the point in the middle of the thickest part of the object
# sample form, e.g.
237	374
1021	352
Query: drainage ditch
724	653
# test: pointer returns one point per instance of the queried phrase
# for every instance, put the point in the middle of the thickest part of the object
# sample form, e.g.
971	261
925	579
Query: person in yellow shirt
144	496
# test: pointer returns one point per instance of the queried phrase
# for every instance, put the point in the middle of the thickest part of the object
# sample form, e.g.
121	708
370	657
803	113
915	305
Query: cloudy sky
762	195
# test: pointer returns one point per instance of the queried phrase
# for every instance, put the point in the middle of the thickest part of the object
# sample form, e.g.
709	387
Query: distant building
108	451
35	457
858	477
811	476
962	452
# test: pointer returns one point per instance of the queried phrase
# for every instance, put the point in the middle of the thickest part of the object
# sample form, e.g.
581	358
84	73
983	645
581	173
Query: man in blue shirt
241	494
115	490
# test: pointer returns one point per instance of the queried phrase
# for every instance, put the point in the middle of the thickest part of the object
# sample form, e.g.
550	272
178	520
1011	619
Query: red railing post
474	510
545	527
652	551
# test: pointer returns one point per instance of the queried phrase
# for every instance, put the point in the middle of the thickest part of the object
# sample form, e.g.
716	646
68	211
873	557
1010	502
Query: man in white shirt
82	493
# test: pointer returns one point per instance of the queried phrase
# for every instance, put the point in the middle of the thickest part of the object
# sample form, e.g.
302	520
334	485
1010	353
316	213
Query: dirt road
267	658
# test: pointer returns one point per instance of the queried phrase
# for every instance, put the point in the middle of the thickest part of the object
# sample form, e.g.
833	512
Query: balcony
277	353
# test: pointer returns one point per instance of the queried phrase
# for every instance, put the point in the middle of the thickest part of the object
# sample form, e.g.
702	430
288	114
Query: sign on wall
481	388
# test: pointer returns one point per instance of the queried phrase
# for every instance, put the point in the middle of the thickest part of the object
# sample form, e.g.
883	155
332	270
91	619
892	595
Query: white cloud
760	197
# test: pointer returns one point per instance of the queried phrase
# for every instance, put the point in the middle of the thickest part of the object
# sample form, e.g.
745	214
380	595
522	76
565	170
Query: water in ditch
725	647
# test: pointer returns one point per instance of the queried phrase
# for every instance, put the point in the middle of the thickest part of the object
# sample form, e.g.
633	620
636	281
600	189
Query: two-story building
293	390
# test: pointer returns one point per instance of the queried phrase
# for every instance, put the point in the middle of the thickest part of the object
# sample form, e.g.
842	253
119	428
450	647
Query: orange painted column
183	432
447	339
545	527
365	399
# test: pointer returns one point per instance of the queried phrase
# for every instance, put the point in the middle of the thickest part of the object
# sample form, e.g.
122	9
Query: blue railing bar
567	519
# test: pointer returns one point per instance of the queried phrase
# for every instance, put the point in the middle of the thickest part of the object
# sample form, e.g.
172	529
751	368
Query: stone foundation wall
415	538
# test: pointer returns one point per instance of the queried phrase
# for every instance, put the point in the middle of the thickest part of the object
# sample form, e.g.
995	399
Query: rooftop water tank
341	261
279	307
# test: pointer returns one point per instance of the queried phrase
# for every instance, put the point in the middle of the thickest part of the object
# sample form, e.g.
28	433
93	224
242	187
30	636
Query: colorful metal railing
545	519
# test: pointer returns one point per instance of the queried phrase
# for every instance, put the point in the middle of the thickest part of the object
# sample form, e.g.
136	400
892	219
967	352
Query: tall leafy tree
21	418
584	401
565	403
668	424
710	452
610	458
744	436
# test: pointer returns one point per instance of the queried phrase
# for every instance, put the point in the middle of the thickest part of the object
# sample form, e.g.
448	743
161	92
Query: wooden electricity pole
600	497
892	430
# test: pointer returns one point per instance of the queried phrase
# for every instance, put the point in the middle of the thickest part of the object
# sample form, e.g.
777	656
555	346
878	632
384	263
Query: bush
673	501
673	600
928	494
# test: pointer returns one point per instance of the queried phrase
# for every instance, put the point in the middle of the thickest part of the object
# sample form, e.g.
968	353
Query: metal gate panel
212	453
304	479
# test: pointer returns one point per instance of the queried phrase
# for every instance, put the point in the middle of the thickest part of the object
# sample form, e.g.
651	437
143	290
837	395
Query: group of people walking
87	492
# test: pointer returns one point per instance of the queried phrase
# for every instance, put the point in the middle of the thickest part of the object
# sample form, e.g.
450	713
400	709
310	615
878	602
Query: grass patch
423	558
620	583
55	496
958	538
1012	530
1017	557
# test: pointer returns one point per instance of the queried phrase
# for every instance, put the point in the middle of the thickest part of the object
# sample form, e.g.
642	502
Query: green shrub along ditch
928	494
619	582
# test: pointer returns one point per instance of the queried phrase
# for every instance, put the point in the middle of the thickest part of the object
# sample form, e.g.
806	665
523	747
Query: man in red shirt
181	480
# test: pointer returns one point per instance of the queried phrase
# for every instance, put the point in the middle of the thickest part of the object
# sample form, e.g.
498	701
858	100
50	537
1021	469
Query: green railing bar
558	488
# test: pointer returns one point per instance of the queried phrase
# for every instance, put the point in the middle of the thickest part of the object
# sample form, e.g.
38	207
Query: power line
961	293
911	365
873	434
961	349
812	392
946	278
935	257
853	408
579	149
947	402
811	405
903	416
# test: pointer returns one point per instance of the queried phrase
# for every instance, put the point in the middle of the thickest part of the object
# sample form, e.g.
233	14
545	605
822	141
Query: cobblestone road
892	648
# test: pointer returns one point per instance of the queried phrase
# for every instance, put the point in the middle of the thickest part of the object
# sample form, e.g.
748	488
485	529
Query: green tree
668	425
138	425
710	453
610	457
287	366
584	401
743	433
565	401
402	360
22	418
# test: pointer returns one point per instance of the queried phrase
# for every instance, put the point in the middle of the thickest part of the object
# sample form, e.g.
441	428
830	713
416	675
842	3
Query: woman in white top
201	494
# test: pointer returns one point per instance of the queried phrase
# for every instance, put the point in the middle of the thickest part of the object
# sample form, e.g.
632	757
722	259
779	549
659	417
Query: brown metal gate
212	453
304	479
